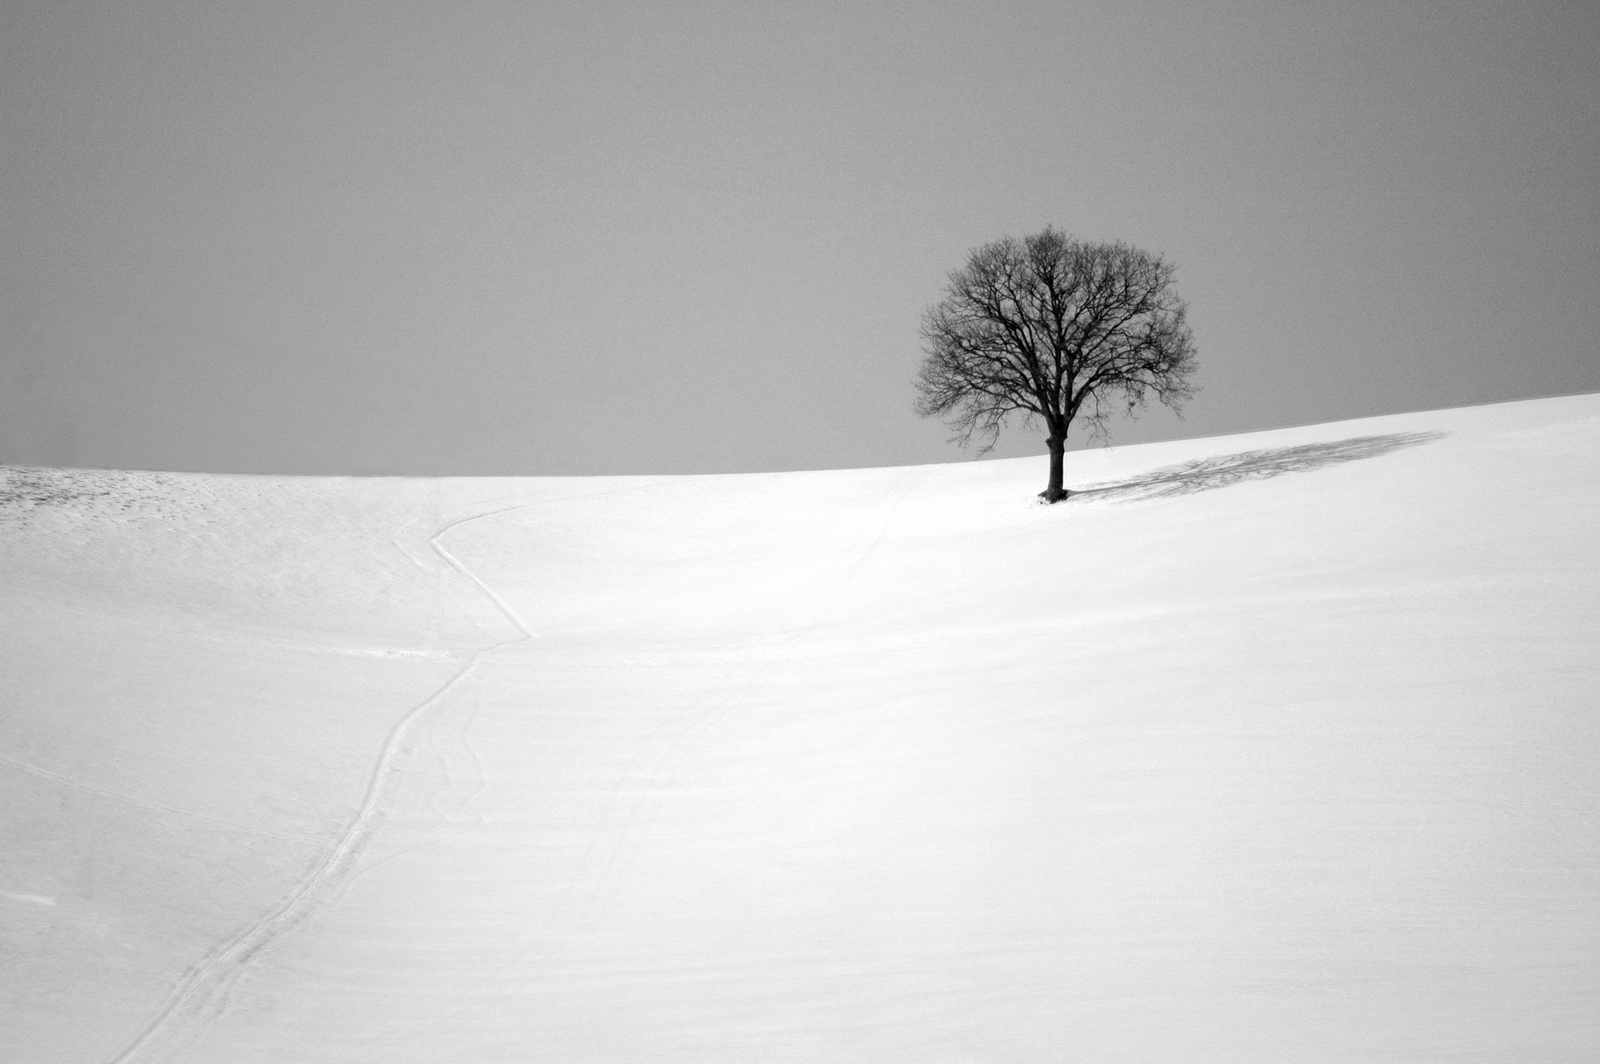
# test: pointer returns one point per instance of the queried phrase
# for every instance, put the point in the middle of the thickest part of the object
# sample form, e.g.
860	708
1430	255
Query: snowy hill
1278	747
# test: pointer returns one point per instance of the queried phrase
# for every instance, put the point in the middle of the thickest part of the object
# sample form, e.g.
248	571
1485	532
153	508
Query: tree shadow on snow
1203	474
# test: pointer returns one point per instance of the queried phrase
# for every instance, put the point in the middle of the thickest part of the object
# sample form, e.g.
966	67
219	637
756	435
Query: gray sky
477	237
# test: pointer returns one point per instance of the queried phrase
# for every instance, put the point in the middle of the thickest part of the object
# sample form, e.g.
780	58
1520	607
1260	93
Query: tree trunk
1053	491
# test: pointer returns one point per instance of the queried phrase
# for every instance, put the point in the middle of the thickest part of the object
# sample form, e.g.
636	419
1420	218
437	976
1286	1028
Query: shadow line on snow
1221	471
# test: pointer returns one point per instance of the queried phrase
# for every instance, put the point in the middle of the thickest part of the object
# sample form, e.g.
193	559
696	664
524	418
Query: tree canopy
1058	330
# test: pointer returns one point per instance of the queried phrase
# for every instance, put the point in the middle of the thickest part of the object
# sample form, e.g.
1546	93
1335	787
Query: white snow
1279	747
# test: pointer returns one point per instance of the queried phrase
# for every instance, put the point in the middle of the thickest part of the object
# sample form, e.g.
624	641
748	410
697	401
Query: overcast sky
476	237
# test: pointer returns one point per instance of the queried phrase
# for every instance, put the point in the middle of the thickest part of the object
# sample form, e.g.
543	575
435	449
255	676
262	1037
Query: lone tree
1058	329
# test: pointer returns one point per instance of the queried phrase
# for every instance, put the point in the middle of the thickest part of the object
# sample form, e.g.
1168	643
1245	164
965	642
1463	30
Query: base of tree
1045	496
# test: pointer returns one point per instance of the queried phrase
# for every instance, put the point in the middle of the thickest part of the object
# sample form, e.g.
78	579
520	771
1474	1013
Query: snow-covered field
1269	748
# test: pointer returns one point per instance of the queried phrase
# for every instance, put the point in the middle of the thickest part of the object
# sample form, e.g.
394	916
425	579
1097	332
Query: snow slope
1279	747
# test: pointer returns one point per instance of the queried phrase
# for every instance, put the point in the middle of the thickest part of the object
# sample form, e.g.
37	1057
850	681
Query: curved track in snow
203	990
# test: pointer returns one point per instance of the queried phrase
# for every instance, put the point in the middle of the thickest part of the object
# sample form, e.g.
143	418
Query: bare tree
1057	329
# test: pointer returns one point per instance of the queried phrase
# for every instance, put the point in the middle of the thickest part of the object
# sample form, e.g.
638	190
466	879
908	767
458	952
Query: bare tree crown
1057	329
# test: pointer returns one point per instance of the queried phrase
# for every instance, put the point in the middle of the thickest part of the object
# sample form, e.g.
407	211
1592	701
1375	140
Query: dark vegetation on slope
25	491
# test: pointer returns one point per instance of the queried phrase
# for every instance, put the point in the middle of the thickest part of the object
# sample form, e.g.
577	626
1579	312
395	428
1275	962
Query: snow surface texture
1281	747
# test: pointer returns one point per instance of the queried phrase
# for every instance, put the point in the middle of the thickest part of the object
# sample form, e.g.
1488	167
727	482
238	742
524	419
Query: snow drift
1279	747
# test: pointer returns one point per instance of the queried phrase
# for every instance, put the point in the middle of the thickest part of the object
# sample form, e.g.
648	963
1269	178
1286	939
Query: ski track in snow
202	994
672	741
